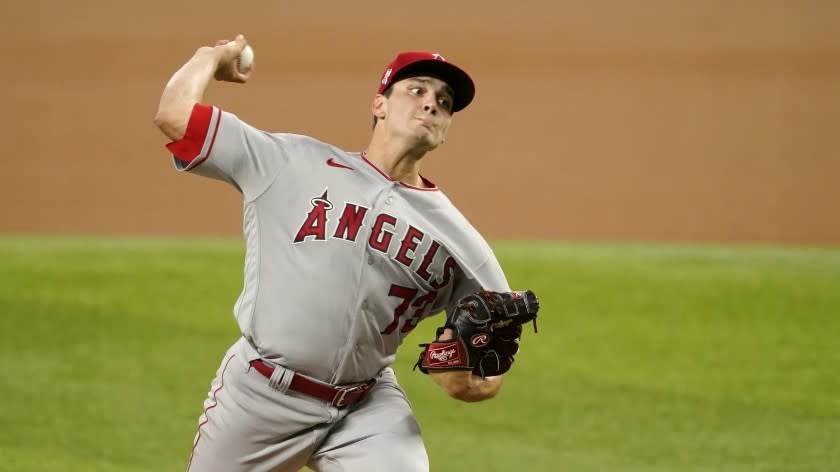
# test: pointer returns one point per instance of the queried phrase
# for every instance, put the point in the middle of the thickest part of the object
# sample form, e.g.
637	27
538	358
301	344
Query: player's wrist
210	58
208	52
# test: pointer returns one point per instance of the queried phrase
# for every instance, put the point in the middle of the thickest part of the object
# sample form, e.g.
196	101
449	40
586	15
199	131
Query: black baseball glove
486	329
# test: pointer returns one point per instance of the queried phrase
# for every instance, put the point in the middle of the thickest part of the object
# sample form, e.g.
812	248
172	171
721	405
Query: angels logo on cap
416	63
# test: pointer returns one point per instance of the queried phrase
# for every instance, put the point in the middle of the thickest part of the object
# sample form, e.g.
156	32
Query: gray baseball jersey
342	261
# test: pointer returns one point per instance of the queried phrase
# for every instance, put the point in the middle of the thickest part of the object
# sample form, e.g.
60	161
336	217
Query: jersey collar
430	186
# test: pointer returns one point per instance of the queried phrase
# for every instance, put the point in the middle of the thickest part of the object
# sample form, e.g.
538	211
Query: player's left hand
481	334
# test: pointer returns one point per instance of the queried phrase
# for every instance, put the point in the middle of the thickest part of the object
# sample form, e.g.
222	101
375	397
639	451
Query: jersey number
409	300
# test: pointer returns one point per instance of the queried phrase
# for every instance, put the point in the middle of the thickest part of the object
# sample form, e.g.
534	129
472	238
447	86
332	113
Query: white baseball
245	59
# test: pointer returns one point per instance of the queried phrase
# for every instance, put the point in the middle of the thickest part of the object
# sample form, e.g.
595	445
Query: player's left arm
480	338
463	384
478	342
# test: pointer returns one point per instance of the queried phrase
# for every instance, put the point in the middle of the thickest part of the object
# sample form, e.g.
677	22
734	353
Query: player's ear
379	106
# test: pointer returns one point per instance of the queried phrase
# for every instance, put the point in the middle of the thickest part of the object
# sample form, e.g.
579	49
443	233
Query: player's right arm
211	142
188	85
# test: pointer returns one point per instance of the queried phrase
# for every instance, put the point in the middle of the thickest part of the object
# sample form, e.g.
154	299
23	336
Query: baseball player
346	253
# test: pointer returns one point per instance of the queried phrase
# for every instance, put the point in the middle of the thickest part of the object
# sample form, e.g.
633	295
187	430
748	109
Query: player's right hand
227	52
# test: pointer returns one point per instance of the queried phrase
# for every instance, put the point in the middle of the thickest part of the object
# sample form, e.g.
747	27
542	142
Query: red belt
334	395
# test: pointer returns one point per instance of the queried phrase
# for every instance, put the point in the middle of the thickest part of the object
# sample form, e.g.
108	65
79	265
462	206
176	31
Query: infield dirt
701	121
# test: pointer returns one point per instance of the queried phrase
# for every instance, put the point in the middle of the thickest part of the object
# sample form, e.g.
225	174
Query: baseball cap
414	63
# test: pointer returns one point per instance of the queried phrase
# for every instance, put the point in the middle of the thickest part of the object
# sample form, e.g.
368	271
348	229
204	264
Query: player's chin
428	141
433	138
433	144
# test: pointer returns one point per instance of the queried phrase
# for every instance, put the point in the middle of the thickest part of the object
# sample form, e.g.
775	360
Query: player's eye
445	103
416	90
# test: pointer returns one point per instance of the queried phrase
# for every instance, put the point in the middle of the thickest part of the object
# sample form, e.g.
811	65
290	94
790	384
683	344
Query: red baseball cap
414	63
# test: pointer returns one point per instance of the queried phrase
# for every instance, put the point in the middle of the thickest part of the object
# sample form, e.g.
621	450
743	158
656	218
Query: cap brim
461	83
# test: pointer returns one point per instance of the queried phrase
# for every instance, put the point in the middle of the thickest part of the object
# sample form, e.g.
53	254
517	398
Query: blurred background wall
702	120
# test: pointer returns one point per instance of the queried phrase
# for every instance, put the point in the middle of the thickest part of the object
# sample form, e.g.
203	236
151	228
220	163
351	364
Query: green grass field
648	359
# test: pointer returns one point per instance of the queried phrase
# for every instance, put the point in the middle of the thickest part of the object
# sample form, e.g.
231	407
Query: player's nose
430	108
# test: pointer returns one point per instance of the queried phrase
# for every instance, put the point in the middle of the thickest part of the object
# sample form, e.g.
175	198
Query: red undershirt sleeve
190	147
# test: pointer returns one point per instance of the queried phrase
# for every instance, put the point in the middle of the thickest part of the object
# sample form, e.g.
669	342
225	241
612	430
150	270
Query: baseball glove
486	329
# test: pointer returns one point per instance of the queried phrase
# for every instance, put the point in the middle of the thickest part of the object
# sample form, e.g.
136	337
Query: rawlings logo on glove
486	328
445	354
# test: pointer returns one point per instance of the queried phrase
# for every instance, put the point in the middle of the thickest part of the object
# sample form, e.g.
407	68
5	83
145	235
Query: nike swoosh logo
332	163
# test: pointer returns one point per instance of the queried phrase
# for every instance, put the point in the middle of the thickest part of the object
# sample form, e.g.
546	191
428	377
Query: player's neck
397	159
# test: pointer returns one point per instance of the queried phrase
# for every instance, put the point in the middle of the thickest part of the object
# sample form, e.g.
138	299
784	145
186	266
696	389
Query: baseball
245	59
